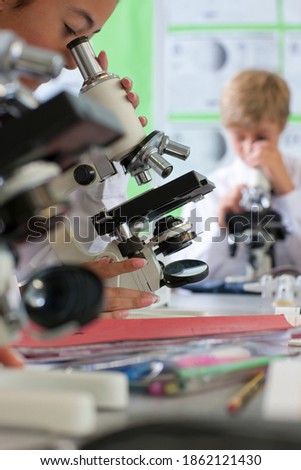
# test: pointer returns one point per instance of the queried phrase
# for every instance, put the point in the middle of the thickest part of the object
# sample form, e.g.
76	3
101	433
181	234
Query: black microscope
257	227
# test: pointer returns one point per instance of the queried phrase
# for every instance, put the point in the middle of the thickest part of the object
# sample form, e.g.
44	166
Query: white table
221	304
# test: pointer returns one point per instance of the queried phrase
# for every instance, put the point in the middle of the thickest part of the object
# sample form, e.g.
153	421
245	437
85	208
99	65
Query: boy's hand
126	83
230	204
267	157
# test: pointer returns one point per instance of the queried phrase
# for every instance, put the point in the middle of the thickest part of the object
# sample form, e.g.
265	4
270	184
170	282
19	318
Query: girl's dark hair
22	3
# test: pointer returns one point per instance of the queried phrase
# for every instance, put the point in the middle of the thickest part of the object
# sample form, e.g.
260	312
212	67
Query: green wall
127	39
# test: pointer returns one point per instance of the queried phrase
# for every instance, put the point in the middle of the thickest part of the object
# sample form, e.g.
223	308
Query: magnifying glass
182	272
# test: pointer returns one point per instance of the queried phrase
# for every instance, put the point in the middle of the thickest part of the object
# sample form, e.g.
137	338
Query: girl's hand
126	83
10	358
119	300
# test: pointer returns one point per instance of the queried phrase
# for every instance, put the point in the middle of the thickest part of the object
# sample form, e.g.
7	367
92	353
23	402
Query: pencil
245	393
234	366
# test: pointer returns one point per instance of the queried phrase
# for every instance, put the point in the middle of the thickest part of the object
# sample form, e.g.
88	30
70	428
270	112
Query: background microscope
257	227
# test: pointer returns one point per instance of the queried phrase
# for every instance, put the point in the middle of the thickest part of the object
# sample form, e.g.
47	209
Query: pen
245	393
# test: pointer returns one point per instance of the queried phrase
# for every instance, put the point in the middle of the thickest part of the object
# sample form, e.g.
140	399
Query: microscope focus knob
84	175
62	295
164	224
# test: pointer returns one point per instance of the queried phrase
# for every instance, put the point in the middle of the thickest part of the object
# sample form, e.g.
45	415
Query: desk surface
221	304
209	405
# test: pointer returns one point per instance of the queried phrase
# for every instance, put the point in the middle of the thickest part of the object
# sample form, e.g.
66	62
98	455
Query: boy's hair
254	96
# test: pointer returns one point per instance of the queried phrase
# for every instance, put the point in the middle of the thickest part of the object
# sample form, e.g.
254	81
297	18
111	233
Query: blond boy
254	112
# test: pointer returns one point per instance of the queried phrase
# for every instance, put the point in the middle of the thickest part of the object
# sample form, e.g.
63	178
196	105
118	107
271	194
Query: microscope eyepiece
77	41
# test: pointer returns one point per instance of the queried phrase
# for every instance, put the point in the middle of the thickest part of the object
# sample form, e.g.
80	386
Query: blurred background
179	53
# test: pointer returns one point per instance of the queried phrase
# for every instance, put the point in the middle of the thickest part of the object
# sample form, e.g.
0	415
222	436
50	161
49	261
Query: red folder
108	331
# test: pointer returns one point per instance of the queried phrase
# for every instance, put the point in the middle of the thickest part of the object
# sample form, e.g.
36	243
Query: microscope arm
122	222
70	251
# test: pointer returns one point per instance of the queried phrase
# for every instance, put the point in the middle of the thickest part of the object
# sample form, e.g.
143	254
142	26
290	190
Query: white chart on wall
197	65
201	44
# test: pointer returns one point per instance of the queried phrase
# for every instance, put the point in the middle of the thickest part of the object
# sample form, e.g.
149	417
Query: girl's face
243	139
51	24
